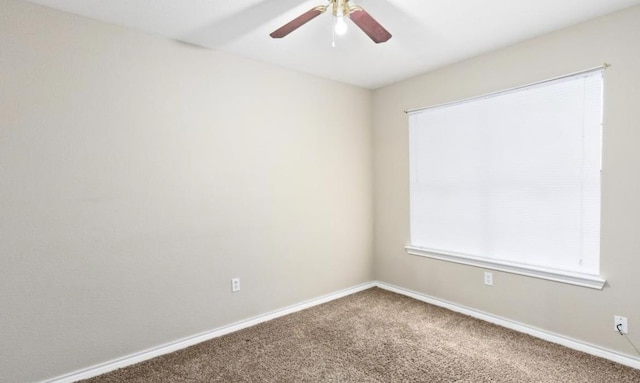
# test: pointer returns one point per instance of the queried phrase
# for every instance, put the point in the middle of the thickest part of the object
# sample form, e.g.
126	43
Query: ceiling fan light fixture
340	9
340	26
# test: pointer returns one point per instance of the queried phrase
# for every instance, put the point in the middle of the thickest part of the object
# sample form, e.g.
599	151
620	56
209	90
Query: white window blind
512	177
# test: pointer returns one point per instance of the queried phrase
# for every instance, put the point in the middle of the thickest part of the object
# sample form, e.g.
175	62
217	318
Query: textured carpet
375	336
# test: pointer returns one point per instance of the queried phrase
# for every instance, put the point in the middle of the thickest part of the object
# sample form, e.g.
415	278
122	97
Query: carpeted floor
375	336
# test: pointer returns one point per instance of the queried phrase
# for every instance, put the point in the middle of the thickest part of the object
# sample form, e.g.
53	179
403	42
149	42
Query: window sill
584	280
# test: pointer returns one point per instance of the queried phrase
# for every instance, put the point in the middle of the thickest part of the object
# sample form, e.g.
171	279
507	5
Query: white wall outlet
488	278
235	285
620	324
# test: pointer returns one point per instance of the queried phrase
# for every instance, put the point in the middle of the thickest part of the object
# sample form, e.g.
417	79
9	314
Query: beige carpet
375	336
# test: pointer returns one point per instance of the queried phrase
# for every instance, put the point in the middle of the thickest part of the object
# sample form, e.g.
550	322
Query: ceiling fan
340	9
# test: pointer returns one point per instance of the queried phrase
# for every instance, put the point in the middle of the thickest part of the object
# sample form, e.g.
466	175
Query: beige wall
139	175
571	311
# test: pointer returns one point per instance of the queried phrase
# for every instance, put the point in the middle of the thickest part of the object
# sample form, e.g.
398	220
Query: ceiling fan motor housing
340	7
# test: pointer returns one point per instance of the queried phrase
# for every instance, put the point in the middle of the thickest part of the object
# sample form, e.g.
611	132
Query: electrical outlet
488	278
620	324
235	285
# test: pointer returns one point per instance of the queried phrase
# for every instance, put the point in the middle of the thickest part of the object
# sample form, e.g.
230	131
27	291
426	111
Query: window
511	181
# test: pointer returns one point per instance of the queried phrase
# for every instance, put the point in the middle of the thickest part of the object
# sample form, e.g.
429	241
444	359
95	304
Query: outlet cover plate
488	278
622	321
235	285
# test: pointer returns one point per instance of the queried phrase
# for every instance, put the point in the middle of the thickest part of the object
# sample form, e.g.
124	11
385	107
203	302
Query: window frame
573	278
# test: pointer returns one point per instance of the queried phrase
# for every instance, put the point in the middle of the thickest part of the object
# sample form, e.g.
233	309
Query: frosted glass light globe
341	26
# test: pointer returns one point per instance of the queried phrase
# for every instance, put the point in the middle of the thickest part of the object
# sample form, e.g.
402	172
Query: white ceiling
427	34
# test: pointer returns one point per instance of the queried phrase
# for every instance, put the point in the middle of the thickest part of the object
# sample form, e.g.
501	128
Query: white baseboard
141	356
520	327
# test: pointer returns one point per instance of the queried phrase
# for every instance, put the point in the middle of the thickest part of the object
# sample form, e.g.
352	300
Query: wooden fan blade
297	22
369	25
